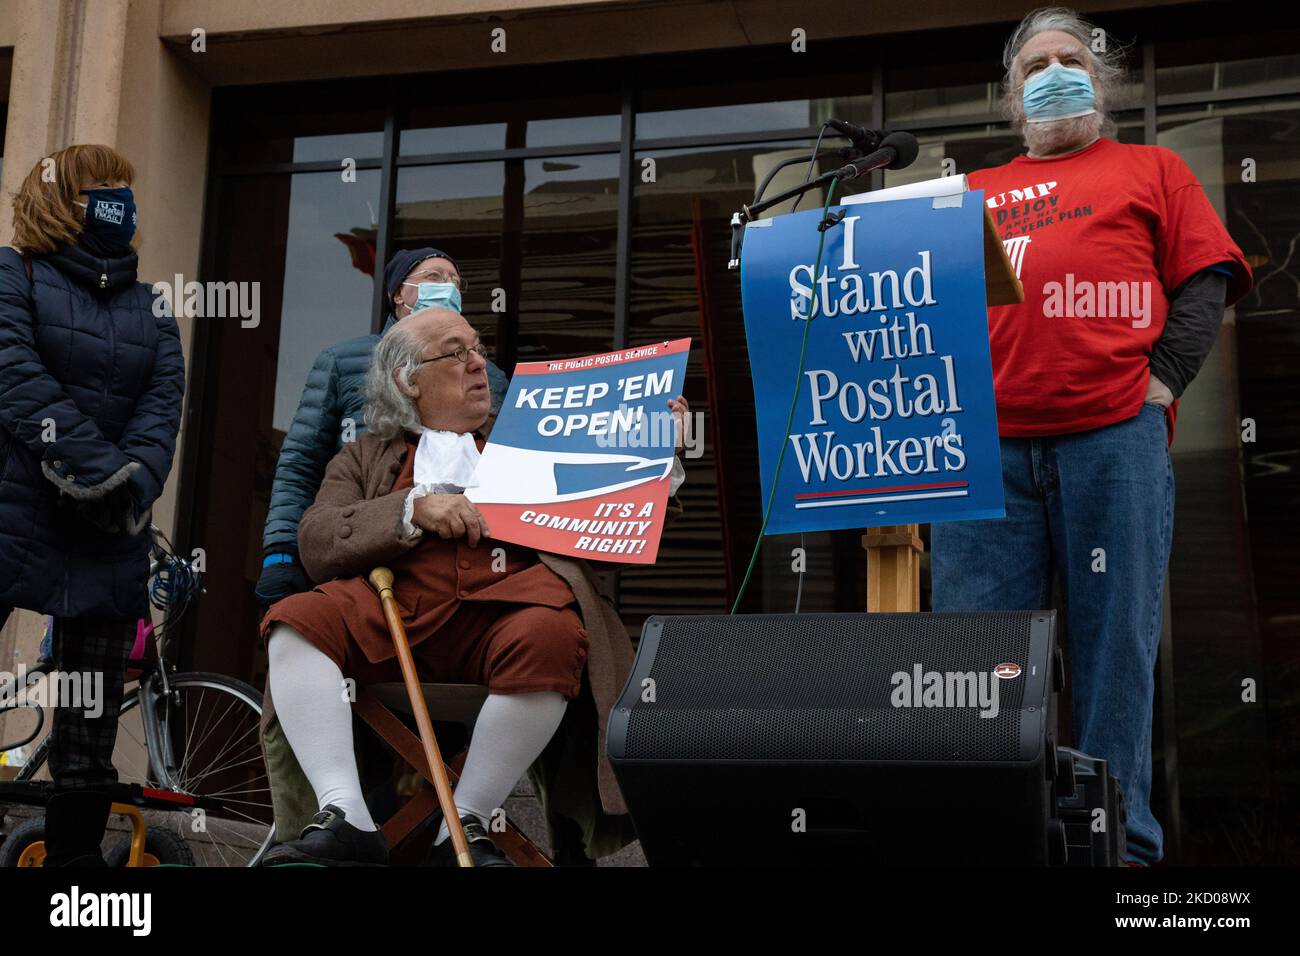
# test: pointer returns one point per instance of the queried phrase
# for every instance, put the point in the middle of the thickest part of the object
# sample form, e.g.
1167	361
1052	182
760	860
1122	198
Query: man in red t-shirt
1126	269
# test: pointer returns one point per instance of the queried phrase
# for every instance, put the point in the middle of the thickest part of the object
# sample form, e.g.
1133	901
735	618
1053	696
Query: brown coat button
345	531
464	593
349	512
464	565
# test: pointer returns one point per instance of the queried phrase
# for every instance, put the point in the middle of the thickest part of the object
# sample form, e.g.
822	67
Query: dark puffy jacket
91	382
333	394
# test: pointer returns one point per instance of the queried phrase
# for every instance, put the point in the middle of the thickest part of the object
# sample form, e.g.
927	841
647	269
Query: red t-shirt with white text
1100	238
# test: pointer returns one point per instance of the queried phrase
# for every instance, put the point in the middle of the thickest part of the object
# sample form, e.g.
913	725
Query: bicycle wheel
212	722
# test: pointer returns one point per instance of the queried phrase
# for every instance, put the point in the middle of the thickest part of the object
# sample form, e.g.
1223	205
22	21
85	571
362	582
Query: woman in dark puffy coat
91	381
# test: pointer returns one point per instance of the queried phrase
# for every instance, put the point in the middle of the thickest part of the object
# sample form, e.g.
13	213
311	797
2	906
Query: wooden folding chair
379	704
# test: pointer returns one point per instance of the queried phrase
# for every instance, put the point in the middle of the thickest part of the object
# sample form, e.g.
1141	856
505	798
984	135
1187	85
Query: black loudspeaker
852	739
1091	805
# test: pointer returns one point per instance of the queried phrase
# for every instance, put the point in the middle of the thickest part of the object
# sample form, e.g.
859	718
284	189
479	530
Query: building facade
581	162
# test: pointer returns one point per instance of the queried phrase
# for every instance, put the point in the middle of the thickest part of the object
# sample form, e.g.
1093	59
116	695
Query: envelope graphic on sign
509	475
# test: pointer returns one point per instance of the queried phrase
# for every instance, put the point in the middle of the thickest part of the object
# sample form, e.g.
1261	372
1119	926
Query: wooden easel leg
516	846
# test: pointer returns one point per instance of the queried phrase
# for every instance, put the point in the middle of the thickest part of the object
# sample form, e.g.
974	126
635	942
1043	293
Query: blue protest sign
579	461
895	421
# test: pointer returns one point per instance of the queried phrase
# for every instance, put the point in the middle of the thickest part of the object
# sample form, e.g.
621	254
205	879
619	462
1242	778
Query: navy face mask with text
110	221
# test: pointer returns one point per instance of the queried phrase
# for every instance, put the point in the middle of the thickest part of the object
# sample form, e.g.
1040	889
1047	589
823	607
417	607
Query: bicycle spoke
193	740
256	759
210	769
225	794
220	759
193	749
140	775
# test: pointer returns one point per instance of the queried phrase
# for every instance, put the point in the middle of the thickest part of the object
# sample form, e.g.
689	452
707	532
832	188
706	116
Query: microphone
897	151
862	138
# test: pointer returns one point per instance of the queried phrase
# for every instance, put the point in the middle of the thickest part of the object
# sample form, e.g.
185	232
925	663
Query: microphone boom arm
881	158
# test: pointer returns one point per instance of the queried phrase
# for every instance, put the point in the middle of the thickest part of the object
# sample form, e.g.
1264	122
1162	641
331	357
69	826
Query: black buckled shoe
481	848
329	840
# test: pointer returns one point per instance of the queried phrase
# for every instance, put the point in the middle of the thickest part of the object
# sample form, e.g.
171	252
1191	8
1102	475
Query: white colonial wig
389	410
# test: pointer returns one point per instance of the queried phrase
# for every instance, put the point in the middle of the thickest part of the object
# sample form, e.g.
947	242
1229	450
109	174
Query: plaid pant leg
94	651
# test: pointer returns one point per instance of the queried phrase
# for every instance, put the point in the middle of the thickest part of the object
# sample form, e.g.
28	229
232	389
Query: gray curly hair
390	411
1107	64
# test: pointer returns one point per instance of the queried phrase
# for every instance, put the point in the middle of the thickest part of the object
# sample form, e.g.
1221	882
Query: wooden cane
382	579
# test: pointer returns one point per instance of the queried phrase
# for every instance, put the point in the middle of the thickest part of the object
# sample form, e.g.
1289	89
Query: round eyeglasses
461	354
437	275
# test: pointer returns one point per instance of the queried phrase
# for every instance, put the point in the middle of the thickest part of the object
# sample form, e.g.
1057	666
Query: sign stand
894	551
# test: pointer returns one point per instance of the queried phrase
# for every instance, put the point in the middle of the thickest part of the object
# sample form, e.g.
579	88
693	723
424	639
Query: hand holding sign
450	516
681	420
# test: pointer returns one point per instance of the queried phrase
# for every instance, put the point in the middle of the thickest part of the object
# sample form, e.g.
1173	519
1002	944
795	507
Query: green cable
785	439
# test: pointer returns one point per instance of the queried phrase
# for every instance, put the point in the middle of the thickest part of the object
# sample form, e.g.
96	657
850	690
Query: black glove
280	580
116	512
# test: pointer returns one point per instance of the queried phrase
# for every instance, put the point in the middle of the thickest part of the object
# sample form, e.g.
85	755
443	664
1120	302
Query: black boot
74	827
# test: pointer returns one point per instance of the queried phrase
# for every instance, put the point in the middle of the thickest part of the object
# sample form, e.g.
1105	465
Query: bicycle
202	783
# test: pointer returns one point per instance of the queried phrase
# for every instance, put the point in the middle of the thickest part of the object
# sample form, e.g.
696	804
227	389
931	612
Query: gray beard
1061	136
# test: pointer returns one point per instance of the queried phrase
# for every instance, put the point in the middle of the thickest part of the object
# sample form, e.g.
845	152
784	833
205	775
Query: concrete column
95	71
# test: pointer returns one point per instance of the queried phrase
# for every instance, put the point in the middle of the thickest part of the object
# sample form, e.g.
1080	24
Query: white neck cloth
445	461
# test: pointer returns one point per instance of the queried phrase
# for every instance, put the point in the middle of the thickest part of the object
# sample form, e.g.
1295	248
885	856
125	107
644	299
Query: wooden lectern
894	551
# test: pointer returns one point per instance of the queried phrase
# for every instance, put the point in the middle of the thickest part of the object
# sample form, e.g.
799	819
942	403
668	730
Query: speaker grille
817	687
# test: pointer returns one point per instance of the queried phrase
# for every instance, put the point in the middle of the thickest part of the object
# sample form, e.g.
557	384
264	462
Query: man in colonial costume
528	625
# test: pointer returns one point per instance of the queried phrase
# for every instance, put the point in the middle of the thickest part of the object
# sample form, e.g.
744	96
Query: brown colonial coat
355	525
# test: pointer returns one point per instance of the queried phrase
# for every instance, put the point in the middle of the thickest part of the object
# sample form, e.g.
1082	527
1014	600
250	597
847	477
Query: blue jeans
1097	508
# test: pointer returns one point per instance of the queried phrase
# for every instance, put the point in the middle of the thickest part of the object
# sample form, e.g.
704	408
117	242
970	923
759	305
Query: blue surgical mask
110	219
1058	92
442	295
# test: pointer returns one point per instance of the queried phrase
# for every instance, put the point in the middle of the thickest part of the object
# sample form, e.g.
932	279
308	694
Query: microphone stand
876	160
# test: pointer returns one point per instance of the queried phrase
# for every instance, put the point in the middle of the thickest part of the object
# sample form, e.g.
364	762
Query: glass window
742	118
567	256
337	147
681	287
511	123
1236	553
972	148
970	99
1259	75
1130	127
451	138
458	208
923	90
329	267
574	130
756	105
536	242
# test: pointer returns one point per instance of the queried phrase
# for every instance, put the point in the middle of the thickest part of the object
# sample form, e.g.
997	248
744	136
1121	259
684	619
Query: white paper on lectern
925	189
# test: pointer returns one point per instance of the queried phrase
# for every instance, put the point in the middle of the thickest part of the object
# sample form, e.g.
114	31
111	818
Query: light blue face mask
442	295
1058	92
